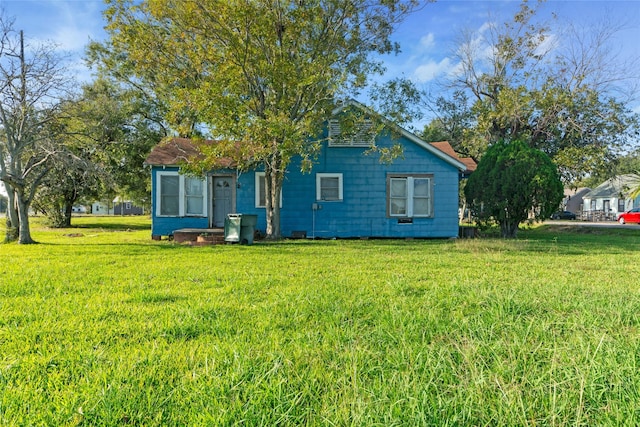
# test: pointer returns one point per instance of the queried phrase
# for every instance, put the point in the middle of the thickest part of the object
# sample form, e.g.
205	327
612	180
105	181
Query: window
194	196
621	204
170	195
361	136
261	191
329	186
409	196
179	195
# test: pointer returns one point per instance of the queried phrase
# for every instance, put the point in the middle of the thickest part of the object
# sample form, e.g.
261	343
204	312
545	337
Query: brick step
209	236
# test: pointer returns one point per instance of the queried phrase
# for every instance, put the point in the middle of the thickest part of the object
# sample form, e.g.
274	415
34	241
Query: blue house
347	194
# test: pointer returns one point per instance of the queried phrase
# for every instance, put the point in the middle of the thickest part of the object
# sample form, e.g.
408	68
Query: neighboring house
574	199
347	193
126	207
116	207
609	199
101	208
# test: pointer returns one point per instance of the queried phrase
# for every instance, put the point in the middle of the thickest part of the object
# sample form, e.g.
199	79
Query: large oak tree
262	75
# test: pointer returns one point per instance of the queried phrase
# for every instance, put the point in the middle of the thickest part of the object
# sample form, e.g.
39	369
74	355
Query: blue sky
426	37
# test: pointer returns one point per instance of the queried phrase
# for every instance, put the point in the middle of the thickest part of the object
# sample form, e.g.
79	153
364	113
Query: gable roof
445	147
172	152
576	192
469	163
176	151
613	187
452	160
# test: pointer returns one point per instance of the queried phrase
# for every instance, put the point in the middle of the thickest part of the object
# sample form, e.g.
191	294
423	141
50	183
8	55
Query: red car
629	216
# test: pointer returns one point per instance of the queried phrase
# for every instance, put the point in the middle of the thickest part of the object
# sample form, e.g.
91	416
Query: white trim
159	176
203	185
319	177
410	196
182	198
258	176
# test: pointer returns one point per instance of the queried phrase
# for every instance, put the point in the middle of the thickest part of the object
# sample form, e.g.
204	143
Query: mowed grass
100	326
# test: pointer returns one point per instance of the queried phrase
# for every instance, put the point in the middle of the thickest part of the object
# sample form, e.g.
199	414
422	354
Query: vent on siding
362	136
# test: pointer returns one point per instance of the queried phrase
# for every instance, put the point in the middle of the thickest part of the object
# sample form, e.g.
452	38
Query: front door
223	200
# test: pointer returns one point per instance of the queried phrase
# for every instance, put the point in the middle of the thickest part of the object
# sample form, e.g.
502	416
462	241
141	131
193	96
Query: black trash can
248	228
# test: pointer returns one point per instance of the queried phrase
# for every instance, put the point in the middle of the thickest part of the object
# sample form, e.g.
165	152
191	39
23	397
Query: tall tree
454	120
512	183
559	92
262	75
72	176
108	132
32	79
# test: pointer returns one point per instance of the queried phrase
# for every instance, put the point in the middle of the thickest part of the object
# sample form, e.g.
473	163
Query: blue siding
363	210
362	213
165	226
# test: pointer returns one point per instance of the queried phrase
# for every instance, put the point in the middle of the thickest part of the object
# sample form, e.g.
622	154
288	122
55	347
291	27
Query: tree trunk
274	177
68	209
24	231
509	229
13	221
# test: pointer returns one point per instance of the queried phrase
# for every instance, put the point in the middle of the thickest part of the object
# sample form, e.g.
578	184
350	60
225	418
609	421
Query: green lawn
101	326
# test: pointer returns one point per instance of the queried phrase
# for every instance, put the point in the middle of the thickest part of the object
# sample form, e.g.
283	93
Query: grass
100	326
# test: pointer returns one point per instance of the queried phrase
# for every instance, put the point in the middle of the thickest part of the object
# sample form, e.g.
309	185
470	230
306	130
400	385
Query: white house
610	198
101	208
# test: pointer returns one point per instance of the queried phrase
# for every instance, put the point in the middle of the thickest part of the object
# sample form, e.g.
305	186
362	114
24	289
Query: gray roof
618	186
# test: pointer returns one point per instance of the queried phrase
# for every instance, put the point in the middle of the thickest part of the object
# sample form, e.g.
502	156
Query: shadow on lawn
111	226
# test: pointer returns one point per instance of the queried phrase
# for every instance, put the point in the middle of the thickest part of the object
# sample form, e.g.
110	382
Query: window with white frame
361	136
329	187
194	196
261	191
621	205
169	189
410	196
179	195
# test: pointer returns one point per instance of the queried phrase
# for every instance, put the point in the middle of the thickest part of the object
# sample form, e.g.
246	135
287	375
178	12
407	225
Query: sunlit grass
100	325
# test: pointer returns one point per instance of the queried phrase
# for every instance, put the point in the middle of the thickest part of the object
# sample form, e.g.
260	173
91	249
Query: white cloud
486	27
428	42
432	70
550	43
